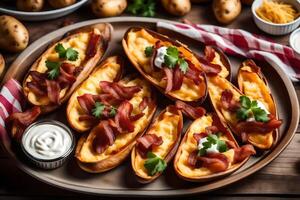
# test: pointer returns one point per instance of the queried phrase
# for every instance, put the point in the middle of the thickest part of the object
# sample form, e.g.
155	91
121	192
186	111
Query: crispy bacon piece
66	76
21	120
147	101
104	137
123	118
208	67
193	73
86	102
147	143
215	162
199	136
92	45
258	127
209	53
253	65
177	78
169	76
118	91
190	111
53	90
228	102
243	152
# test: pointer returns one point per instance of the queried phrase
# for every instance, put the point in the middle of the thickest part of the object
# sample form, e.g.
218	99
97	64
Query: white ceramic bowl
272	28
42	15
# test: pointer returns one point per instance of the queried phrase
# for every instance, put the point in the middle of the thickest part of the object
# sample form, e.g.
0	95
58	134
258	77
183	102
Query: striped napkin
237	42
11	100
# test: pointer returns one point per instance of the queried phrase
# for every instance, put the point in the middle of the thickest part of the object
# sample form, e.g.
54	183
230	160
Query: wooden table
281	178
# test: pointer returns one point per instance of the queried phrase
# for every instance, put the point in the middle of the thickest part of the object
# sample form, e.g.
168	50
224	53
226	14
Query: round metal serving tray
121	180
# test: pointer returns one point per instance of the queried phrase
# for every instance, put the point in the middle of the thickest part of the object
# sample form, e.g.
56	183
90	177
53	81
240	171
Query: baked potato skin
171	150
205	177
111	158
135	63
30	5
110	69
248	74
88	66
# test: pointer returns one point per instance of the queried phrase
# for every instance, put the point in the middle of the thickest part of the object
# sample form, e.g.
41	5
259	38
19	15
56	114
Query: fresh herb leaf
221	145
250	109
154	164
183	65
98	109
172	56
212	139
145	8
69	53
113	111
149	51
53	69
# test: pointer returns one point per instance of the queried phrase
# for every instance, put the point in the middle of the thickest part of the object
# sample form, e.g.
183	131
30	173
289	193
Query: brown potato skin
2	65
171	151
30	5
61	3
106	30
112	161
14	36
146	76
262	77
108	8
226	11
177	7
209	177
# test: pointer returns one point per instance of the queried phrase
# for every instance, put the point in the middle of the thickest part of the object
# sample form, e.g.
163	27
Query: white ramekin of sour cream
48	143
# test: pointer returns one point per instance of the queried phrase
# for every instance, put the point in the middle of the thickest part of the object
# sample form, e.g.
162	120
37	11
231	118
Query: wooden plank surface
278	179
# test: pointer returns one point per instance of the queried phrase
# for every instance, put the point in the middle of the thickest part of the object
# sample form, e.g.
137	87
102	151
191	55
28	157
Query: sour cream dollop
160	56
261	106
212	149
47	141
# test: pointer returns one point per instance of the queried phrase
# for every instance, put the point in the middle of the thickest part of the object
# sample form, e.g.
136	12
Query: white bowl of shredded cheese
276	17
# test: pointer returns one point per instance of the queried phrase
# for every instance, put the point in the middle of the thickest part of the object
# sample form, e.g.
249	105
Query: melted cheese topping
189	145
165	128
106	72
87	154
78	42
136	44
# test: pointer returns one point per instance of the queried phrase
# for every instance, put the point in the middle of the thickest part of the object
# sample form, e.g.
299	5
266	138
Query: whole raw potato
177	7
108	8
226	10
14	36
2	65
61	3
30	5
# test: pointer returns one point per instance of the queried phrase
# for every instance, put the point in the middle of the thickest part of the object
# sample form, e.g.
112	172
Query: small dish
43	15
272	28
295	40
48	143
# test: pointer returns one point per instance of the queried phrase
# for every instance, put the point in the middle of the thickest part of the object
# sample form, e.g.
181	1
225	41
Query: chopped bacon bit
244	137
177	78
89	118
136	117
230	144
209	53
118	91
66	76
215	162
199	136
86	102
147	143
123	118
37	89
228	102
147	101
92	45
104	137
193	73
53	90
211	130
258	127
19	121
253	65
209	68
190	111
169	76
243	152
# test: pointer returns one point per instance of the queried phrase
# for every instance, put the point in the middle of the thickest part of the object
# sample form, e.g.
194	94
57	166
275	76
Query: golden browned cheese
107	71
137	41
78	42
87	154
254	87
189	145
167	128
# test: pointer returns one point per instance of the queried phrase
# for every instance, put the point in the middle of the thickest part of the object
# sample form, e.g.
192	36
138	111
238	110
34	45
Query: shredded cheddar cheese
277	12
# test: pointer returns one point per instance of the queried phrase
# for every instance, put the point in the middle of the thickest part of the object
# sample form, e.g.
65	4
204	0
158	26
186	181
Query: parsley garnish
149	51
250	108
154	164
98	109
113	111
172	56
212	139
53	69
183	65
145	8
69	53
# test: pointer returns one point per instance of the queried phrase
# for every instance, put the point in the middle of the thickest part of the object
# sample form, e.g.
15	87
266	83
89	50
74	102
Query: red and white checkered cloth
241	43
11	100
